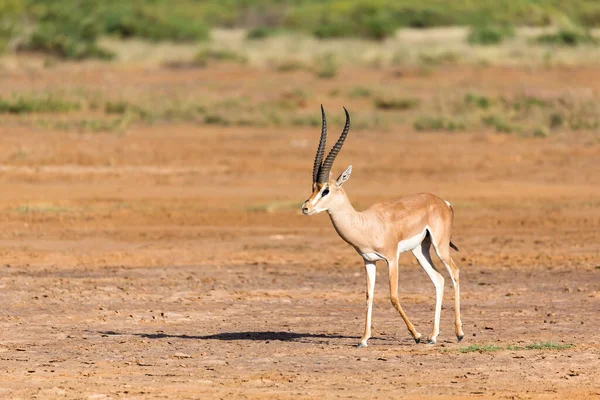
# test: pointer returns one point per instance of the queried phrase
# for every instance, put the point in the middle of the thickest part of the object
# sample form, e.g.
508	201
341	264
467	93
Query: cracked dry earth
129	274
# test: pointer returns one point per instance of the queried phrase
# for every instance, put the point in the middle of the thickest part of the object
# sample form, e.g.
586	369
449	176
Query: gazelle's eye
325	193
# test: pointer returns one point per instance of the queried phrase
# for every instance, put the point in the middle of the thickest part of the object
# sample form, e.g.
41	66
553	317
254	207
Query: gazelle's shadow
231	336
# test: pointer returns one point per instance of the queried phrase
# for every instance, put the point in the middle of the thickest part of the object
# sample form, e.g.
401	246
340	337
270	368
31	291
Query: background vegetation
70	28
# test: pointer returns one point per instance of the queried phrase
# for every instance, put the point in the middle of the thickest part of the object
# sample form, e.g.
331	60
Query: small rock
181	355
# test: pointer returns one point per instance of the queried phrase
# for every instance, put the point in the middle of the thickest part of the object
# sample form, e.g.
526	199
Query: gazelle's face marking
319	199
324	195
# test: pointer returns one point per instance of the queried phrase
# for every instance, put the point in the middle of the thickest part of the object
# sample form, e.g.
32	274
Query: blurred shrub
325	66
489	35
65	32
567	37
388	103
70	28
10	18
25	104
498	123
203	57
261	32
429	123
135	19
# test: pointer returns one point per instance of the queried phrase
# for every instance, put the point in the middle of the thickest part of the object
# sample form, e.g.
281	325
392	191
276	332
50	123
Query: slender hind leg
421	253
370	269
443	252
393	271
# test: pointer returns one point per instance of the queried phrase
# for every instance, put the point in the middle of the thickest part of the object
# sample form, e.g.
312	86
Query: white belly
412	242
372	257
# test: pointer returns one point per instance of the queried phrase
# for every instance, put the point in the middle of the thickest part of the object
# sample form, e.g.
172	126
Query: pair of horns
321	170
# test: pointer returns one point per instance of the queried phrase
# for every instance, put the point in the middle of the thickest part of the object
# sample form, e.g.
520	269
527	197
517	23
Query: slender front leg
393	270
371	274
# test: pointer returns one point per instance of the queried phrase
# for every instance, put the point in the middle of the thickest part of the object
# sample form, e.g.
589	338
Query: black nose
305	210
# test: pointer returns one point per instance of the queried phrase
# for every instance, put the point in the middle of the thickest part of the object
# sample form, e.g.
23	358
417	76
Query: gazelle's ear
344	176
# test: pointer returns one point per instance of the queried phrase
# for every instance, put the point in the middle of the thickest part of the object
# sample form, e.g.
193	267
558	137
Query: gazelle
383	231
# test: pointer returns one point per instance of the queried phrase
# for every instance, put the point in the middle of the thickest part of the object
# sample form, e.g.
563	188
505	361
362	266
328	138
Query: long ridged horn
328	163
321	148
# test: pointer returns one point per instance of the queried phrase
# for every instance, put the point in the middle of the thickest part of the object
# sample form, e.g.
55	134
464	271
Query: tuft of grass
556	120
41	208
24	105
542	346
360	91
290	66
478	101
567	37
261	32
428	123
498	123
480	348
486	35
325	66
123	107
430	60
388	103
293	99
204	56
215	119
306	120
541	132
117	125
483	348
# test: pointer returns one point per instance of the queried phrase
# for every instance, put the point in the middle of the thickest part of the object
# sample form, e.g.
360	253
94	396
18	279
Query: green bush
203	57
478	101
129	21
25	105
489	35
261	32
427	123
497	123
567	37
386	103
325	66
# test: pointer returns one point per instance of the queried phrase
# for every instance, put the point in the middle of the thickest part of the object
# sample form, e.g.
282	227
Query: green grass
37	104
58	27
480	348
440	123
359	92
204	56
486	348
41	208
567	37
489	34
325	66
542	346
498	123
479	101
392	103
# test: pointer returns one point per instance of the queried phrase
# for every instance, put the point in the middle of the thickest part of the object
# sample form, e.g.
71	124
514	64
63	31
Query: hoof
417	339
460	337
431	341
361	345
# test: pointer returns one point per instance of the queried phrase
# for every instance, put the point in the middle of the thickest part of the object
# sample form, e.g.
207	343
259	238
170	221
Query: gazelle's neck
346	220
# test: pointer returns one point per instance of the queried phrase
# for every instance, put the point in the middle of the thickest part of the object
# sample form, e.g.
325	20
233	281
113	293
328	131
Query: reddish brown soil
145	265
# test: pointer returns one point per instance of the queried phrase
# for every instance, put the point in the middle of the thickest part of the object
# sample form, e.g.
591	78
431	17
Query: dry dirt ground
173	262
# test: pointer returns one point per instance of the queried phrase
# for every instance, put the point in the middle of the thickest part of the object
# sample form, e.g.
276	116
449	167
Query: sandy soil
173	262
